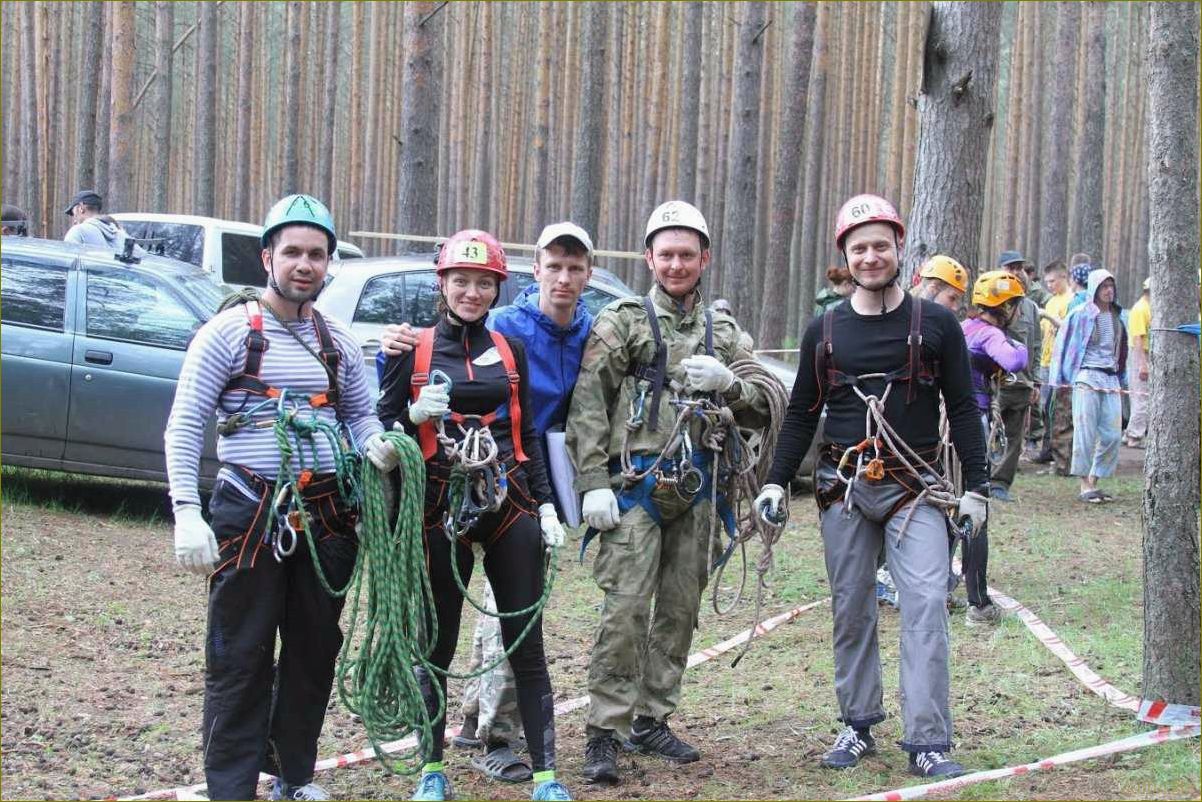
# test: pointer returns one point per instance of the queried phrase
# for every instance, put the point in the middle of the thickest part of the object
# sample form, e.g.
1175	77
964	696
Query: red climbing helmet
862	209
472	249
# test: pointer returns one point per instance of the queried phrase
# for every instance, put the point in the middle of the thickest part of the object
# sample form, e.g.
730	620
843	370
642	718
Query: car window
203	292
382	300
127	306
241	260
183	241
421	298
595	299
33	293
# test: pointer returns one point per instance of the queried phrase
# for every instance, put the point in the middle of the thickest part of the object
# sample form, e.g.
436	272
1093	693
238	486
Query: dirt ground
102	673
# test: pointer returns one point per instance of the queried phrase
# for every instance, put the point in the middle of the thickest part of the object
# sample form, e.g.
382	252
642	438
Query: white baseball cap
564	229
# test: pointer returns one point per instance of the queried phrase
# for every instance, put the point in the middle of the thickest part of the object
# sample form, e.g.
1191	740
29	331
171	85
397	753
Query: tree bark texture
120	194
1054	200
1088	197
790	144
205	155
1171	469
738	226
29	125
590	122
815	242
164	33
89	76
418	190
956	106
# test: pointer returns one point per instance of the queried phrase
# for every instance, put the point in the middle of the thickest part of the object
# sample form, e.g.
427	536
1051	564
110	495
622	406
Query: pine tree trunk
1053	208
786	176
738	225
418	189
692	48
541	146
205	156
160	119
121	156
29	125
329	85
1171	498
813	242
956	104
1088	198
242	148
291	124
590	122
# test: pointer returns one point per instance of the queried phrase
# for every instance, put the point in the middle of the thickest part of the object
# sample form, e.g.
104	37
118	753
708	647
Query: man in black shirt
916	350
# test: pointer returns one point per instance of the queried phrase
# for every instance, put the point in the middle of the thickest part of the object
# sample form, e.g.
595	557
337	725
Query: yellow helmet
946	269
995	287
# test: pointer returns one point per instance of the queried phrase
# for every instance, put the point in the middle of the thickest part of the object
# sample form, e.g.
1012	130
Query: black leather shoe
601	759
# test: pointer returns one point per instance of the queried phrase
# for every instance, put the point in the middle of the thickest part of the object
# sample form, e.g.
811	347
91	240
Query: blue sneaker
1000	493
886	591
434	786
551	789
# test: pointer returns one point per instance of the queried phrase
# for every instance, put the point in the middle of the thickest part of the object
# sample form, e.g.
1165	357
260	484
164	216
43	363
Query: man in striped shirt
256	716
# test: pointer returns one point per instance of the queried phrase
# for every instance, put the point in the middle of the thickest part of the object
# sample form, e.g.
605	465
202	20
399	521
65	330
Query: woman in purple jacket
991	353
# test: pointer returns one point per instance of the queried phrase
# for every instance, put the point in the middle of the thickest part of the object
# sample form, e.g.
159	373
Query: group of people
611	387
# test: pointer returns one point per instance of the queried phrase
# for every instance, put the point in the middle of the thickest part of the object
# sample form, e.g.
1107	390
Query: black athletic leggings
513	562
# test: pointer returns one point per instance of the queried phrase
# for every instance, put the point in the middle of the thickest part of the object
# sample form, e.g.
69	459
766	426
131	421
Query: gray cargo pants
918	563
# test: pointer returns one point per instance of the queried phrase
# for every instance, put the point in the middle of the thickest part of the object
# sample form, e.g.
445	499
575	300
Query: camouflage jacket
621	339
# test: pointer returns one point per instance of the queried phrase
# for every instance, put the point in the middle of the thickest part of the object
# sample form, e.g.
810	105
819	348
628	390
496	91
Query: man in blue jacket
553	323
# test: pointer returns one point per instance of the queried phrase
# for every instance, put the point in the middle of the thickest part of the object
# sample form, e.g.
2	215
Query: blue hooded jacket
553	353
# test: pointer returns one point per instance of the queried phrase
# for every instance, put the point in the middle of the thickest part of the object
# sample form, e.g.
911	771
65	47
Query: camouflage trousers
1061	406
639	656
492	699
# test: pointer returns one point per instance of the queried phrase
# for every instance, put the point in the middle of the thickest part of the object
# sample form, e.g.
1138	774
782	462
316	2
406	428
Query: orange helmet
863	209
472	249
947	270
995	287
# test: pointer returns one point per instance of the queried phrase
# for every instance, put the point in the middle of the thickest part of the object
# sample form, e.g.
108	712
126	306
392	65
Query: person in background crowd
1091	357
1139	324
1018	396
15	222
840	288
1055	278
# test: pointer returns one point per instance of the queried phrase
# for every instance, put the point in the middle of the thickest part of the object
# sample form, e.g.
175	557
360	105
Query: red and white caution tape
1153	712
563	708
1139	741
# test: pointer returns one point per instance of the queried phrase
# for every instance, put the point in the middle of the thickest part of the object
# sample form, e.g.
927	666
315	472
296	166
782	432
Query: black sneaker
601	759
849	747
653	737
934	764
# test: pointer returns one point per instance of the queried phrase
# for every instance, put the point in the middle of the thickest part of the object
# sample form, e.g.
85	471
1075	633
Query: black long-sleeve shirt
479	385
877	344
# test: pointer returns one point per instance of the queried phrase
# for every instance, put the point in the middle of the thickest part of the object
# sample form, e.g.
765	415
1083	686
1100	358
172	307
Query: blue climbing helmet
304	210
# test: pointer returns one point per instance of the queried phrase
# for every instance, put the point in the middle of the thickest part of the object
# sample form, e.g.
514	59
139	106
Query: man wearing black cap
86	226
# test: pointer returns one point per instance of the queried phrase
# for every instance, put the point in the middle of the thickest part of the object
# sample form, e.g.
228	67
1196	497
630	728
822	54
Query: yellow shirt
1139	321
1057	305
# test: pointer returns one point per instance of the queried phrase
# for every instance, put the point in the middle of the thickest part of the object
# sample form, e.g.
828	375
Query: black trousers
513	562
259	716
974	560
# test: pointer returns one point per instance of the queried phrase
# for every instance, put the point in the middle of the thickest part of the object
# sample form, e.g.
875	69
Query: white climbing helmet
677	214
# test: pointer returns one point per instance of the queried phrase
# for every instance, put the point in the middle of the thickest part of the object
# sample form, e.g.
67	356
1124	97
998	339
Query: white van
226	249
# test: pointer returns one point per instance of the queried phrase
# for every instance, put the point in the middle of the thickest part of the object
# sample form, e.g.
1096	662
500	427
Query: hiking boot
850	746
985	616
956	603
281	790
433	787
934	764
653	737
1000	493
601	759
551	790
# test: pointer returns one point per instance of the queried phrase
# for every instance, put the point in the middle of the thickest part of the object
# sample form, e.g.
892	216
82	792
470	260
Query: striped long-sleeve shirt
217	353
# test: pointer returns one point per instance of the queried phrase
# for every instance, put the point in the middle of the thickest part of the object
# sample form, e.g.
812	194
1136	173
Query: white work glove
432	402
397	340
706	373
382	453
548	520
772	497
600	509
975	507
195	545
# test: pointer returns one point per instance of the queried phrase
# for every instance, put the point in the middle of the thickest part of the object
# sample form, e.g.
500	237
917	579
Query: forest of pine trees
426	117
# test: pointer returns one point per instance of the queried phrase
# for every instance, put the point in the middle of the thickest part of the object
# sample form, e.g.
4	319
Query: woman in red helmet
473	380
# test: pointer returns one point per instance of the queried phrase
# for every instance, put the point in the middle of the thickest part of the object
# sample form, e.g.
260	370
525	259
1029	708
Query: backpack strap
422	354
656	372
709	332
330	358
824	357
914	344
256	345
515	406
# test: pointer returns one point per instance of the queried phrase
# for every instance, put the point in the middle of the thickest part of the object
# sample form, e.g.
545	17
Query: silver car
91	351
